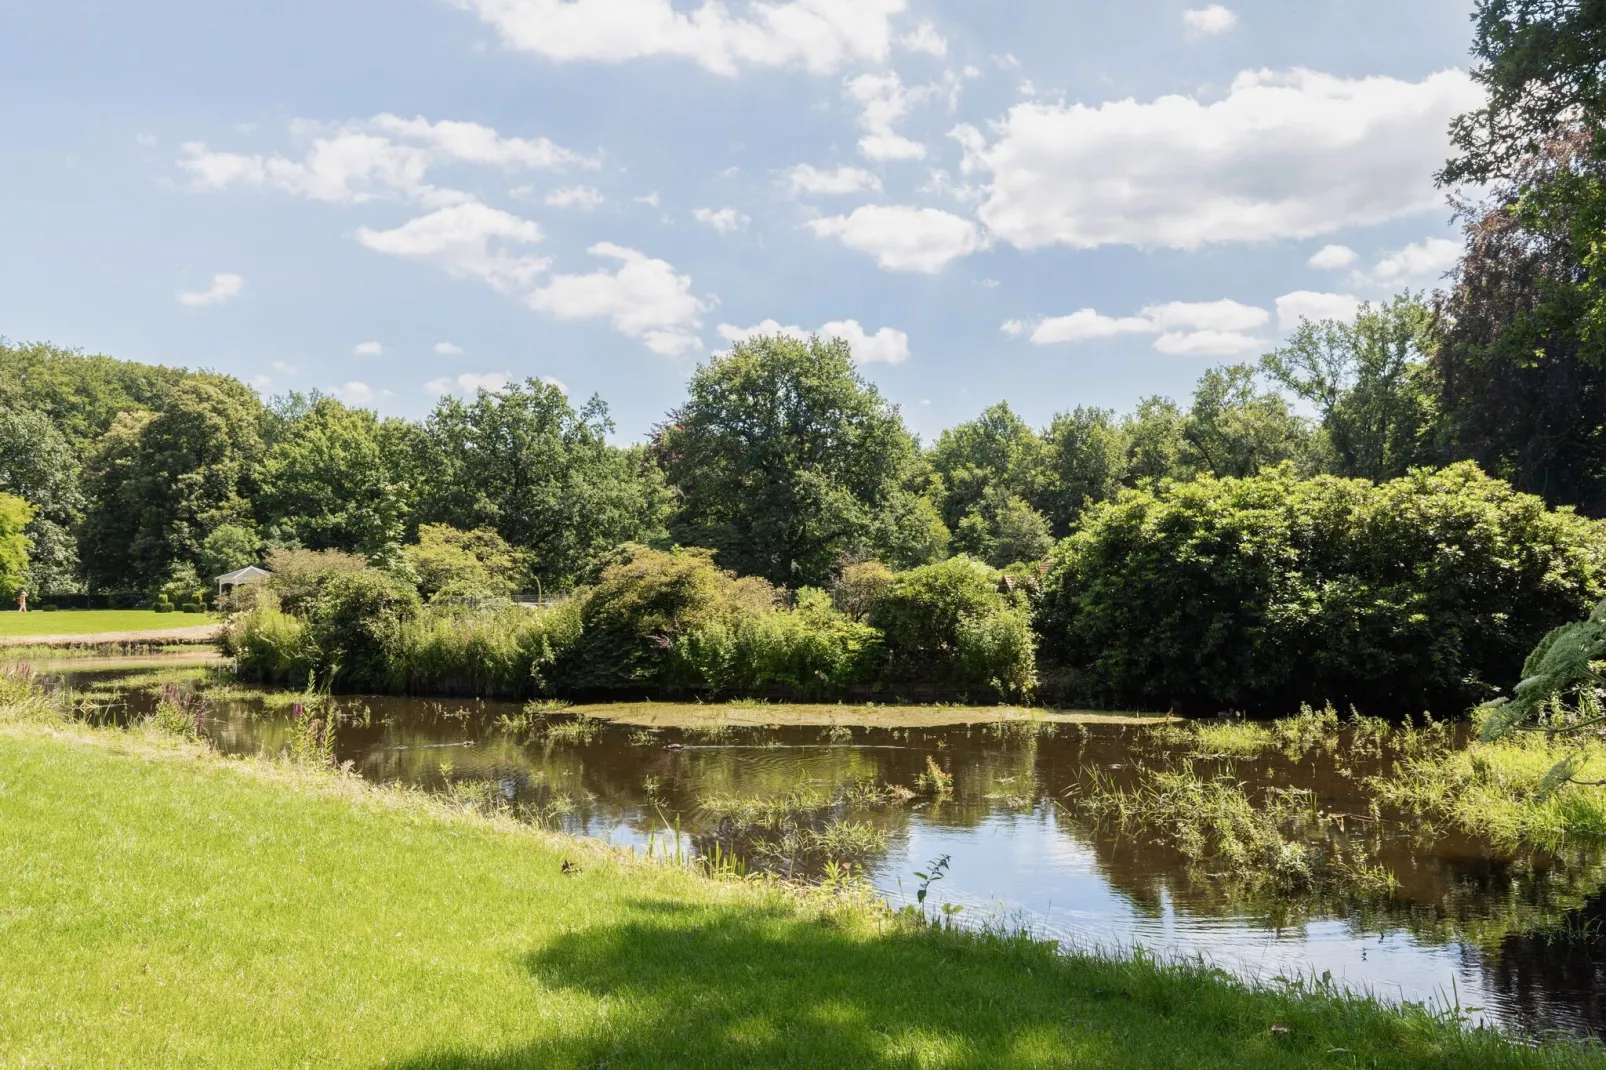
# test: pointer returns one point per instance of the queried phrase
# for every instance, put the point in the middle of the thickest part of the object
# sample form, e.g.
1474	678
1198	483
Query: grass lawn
166	907
92	621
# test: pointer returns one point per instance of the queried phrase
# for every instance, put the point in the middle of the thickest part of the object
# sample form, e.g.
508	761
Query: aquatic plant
576	730
183	713
935	781
1307	730
1276	839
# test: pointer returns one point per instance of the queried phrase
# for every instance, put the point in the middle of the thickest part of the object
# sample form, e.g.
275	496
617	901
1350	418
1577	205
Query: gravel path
203	633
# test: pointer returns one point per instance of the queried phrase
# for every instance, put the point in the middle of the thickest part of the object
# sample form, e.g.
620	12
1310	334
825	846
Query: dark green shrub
1259	593
268	645
956	624
162	605
353	624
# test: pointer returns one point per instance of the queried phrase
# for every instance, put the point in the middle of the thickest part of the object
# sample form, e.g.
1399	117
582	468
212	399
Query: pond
1001	811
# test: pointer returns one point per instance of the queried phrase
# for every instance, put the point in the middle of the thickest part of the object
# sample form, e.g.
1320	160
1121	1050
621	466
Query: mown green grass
94	621
166	907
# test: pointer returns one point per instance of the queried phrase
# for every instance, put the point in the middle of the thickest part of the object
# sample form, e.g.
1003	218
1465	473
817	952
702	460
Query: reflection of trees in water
1555	974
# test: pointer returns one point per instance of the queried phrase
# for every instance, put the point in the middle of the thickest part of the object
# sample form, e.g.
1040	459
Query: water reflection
1515	938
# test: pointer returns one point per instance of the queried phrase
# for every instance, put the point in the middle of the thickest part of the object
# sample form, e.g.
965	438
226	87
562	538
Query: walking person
22	601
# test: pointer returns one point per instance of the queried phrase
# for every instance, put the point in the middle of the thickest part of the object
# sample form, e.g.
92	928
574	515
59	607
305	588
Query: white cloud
903	238
1282	155
224	286
885	346
353	393
145	140
261	382
367	349
1206	343
1014	328
884	101
285	368
468	383
805	178
1184	328
476	144
1332	257
447	349
650	199
563	388
460	239
584	198
1209	20
925	38
820	35
384	156
643	299
1310	305
724	220
1085	324
1223	315
1425	259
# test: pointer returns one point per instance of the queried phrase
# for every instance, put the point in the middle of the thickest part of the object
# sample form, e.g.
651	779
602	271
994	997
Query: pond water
1513	938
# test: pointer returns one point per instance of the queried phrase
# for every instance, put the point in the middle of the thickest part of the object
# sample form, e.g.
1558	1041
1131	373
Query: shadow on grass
687	986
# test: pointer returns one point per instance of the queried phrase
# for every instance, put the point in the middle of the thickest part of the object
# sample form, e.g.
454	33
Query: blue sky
1056	203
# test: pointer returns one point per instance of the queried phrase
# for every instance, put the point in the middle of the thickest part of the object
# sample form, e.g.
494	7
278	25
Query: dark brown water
1507	937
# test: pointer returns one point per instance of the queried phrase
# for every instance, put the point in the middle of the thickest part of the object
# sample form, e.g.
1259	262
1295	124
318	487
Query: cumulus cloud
367	349
447	349
1209	21
1281	155
1425	259
1183	328
925	38
644	298
884	101
385	156
224	286
562	387
885	346
805	178
460	238
903	238
1332	257
468	383
724	220
353	393
1310	305
819	35
285	368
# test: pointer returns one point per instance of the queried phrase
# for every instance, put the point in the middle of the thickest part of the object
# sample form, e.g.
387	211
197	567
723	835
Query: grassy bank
96	622
165	906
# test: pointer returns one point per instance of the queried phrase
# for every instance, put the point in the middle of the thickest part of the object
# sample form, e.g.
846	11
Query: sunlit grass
95	621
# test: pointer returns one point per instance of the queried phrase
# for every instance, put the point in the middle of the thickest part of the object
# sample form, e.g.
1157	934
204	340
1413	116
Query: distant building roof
244	575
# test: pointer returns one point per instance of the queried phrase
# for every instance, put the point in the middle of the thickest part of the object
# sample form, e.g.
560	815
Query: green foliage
1237	430
338	478
39	464
353	622
226	548
1248	593
1369	382
463	564
525	464
299	574
514	651
82	395
1087	455
158	484
952	625
786	460
14	517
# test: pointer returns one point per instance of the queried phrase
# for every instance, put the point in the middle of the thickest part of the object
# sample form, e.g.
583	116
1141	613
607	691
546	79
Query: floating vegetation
1232	738
576	730
935	781
709	733
1307	730
837	733
644	737
1280	840
1506	791
1026	730
182	713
